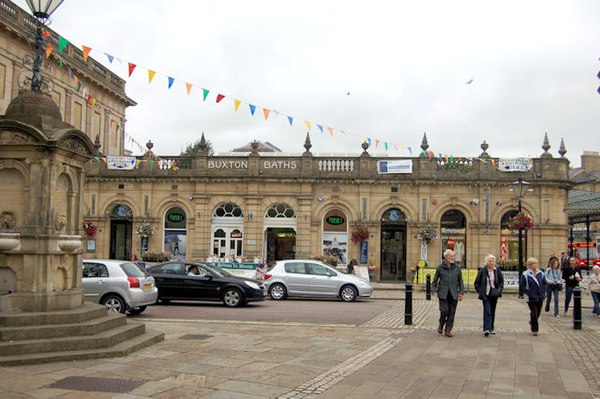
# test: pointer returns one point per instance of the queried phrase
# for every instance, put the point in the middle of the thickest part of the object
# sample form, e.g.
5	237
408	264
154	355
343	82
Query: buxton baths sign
242	164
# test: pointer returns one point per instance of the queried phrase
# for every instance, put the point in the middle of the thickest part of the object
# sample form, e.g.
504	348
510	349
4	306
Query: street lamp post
41	10
521	187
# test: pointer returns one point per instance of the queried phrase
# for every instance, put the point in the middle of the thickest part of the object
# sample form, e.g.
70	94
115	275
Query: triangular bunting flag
151	74
252	108
89	98
205	94
220	97
70	73
236	104
376	143
78	86
171	80
369	141
308	124
131	68
45	34
93	102
266	113
48	50
188	88
409	150
330	131
385	145
110	57
86	52
62	44
291	120
429	154
320	128
60	64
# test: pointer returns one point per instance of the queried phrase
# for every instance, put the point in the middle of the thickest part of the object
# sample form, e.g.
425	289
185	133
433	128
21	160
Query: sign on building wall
120	163
395	166
515	165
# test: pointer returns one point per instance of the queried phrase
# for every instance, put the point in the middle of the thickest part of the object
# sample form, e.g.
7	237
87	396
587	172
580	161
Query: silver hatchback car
312	278
120	285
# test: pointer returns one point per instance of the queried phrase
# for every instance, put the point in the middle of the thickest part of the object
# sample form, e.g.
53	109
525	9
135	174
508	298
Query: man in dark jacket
572	276
448	284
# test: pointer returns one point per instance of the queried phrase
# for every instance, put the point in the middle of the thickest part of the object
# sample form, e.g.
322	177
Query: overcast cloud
406	64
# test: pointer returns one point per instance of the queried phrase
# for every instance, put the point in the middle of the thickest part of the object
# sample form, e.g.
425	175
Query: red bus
580	251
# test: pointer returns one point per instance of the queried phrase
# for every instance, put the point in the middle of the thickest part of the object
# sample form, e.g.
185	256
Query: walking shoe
534	333
493	332
440	330
486	333
449	334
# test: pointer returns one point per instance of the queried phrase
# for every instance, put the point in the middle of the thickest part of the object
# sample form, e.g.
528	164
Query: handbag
495	293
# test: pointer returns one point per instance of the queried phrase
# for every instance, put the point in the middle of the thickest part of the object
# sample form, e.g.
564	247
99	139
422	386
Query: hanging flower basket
359	233
428	234
520	221
145	229
89	227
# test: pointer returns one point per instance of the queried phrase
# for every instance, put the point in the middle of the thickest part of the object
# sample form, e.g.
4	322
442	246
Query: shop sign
176	217
394	166
515	165
236	234
335	220
120	163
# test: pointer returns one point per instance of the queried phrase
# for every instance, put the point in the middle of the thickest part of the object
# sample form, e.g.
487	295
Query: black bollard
408	305
577	308
428	288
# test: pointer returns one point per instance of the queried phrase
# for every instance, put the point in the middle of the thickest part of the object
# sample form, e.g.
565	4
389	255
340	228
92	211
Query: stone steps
87	311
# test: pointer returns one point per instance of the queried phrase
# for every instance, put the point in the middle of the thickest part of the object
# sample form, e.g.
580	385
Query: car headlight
252	285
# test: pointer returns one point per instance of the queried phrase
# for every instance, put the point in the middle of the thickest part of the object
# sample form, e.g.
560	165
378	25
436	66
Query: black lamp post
521	187
41	10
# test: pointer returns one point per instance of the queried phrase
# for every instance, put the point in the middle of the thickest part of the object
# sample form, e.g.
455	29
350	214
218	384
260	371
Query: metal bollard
428	288
408	305
577	308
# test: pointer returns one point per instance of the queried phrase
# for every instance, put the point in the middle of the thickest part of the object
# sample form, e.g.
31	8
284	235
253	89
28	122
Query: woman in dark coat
489	284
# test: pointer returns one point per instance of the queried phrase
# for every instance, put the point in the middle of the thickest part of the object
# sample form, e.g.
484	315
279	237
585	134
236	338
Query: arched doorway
227	230
453	232
175	233
393	245
121	226
280	232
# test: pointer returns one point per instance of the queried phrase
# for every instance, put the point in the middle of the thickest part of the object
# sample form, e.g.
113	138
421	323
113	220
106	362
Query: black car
193	281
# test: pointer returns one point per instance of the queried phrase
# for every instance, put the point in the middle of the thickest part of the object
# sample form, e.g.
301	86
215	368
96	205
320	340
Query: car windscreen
219	271
132	270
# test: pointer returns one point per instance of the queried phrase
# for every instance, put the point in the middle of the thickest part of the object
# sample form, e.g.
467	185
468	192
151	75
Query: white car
312	278
120	285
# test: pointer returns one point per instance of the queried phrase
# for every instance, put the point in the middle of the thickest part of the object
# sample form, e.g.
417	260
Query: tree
198	147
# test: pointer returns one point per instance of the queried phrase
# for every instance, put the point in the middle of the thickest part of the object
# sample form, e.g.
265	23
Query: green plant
330	260
428	234
521	221
145	229
156	257
359	233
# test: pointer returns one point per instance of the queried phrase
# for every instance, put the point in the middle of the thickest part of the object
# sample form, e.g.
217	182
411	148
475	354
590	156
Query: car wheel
232	297
348	293
277	292
114	303
137	310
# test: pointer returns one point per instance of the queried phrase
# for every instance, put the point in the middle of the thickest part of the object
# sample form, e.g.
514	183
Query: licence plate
147	286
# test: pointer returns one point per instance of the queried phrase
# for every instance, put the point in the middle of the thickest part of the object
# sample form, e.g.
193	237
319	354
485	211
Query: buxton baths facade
277	206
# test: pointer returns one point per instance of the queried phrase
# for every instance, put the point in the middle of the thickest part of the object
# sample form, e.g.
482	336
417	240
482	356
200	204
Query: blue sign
364	252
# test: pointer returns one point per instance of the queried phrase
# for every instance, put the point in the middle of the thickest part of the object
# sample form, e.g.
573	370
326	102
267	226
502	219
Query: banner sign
120	162
396	166
515	165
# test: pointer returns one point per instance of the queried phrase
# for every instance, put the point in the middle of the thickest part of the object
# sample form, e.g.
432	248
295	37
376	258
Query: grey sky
405	64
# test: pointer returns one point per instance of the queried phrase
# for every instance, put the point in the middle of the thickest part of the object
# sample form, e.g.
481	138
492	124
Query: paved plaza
382	358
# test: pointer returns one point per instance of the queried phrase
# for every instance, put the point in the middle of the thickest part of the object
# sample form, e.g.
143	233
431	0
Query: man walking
572	276
448	284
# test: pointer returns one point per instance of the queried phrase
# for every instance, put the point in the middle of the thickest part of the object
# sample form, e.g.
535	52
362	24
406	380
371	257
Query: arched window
280	211
453	232
335	236
175	229
228	209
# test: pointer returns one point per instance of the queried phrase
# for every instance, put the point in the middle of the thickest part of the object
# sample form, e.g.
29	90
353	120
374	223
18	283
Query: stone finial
307	144
203	147
149	154
7	220
149	145
424	145
365	147
254	145
484	146
97	144
562	150
546	147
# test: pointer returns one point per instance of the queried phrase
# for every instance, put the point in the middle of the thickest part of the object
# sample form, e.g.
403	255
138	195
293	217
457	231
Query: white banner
120	163
515	165
394	166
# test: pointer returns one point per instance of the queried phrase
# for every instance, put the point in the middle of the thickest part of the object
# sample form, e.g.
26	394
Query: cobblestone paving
326	380
582	344
394	317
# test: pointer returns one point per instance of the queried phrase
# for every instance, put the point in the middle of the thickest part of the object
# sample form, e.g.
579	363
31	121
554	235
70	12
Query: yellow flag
308	124
93	102
150	75
236	103
188	87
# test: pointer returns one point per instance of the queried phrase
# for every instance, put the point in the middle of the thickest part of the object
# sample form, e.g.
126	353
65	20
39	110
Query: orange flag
150	75
86	52
236	103
188	87
308	125
330	131
48	50
266	112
